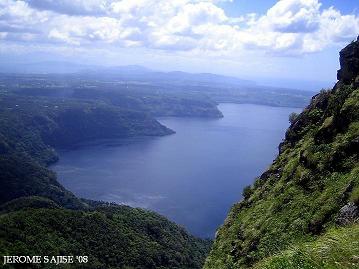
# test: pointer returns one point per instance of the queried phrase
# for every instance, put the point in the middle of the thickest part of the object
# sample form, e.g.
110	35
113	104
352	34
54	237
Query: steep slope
337	248
312	186
21	176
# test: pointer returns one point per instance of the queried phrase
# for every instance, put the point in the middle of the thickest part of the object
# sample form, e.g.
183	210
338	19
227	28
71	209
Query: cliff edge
303	211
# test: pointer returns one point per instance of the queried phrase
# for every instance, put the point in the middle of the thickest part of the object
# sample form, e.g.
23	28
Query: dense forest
111	236
303	211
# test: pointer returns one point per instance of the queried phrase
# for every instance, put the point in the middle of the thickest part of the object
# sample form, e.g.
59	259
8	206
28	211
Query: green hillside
111	236
303	211
38	216
33	125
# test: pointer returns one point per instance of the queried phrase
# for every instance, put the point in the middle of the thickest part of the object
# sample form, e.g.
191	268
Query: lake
192	177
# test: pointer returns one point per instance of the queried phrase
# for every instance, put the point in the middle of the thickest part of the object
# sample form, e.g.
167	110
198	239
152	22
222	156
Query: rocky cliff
349	62
303	211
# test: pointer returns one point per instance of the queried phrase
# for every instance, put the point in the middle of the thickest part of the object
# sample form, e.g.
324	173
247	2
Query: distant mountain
136	72
140	73
135	78
124	69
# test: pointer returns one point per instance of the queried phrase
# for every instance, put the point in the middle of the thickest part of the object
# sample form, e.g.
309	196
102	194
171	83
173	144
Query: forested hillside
33	125
111	236
38	216
303	211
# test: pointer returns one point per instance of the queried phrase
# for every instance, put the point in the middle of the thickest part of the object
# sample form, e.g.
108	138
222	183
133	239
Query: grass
299	197
338	248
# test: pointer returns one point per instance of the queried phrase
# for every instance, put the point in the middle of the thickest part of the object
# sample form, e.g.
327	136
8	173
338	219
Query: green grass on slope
338	248
300	195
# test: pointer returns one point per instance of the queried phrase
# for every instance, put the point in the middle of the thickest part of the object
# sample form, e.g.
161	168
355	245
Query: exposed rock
347	214
349	63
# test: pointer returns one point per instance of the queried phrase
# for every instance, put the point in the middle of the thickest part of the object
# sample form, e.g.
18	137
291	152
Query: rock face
349	64
348	214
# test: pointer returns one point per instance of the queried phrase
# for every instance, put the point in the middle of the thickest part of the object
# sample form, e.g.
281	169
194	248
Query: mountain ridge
136	71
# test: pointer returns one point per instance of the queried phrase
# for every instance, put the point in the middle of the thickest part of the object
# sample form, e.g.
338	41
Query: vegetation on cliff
288	217
337	248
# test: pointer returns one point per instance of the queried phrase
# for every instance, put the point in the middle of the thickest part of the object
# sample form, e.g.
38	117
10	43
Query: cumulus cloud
84	30
300	26
294	16
290	27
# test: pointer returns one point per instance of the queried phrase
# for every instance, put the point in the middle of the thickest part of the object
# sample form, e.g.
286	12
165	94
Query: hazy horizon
265	40
66	67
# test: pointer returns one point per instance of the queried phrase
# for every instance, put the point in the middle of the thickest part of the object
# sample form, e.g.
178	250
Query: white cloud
19	12
290	27
84	30
294	16
300	26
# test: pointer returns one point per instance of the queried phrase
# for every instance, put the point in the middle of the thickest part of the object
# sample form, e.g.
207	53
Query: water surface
192	177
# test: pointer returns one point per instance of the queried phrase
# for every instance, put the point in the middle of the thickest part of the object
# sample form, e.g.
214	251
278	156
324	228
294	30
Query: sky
252	39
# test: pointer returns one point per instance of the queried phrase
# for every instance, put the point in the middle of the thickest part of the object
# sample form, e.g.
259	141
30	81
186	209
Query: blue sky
262	39
241	7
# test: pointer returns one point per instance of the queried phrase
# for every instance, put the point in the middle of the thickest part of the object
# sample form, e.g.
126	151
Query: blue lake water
193	177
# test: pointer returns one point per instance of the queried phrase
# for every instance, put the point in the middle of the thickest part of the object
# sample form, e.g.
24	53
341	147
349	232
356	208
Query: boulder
348	214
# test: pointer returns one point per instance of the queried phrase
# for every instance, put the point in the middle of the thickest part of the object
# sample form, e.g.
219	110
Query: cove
192	177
